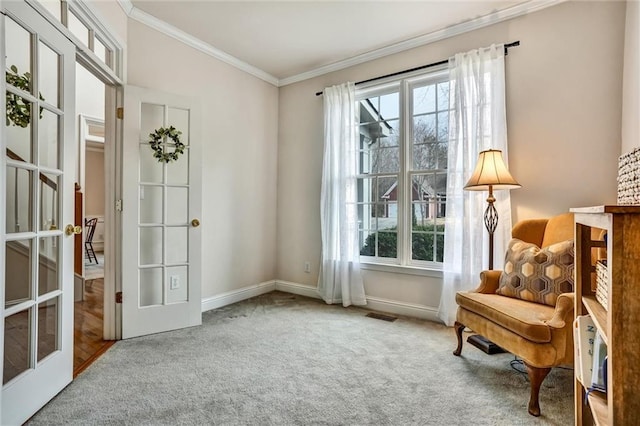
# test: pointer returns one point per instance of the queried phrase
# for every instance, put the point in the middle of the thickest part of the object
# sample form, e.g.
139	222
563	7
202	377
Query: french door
161	240
37	192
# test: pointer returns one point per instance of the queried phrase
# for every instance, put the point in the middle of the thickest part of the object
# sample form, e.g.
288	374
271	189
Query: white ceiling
286	39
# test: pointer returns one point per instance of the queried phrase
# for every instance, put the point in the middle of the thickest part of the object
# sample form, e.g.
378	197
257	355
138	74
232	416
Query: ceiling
285	39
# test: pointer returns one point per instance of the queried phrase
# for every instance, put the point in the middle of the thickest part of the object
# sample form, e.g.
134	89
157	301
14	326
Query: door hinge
120	113
119	297
118	205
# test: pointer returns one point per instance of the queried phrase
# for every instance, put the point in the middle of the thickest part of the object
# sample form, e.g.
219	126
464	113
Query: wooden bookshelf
599	408
619	324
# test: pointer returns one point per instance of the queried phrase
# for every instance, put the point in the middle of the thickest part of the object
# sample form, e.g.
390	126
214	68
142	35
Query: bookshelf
618	323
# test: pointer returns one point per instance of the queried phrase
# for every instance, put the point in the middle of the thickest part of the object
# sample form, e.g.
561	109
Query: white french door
37	189
161	241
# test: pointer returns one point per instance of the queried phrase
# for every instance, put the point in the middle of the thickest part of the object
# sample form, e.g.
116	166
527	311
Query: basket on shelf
602	290
629	178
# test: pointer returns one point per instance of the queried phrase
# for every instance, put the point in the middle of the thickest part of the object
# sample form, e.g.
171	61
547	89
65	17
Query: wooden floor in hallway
88	326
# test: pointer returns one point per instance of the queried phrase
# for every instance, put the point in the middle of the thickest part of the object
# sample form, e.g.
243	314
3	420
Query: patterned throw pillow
537	275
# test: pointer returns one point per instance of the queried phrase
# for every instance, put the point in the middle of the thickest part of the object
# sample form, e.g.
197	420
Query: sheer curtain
340	280
477	123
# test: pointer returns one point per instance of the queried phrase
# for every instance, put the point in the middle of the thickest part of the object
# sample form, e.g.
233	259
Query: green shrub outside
422	243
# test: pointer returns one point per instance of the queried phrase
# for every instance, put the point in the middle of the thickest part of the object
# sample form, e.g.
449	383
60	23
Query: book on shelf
590	354
584	334
599	366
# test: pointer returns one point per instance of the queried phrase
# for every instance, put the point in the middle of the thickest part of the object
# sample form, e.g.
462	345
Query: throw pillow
537	275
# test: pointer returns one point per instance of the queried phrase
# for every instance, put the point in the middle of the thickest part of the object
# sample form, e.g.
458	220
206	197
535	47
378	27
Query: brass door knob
195	223
71	230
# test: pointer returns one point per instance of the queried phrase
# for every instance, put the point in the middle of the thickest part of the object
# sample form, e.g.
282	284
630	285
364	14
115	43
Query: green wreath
19	111
158	135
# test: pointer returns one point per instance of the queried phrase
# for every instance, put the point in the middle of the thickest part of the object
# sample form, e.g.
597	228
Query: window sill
399	269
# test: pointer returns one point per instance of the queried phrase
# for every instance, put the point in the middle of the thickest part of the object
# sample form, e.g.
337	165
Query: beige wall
631	79
563	105
94	183
240	144
89	94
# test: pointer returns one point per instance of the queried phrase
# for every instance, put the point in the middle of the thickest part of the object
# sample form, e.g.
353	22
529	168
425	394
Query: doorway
89	254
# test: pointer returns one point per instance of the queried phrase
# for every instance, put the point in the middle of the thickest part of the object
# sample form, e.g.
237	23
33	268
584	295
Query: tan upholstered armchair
540	334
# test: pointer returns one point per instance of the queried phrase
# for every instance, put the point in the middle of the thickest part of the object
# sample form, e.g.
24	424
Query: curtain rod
422	67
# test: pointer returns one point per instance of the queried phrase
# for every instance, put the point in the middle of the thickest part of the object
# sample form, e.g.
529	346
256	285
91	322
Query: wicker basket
629	178
602	291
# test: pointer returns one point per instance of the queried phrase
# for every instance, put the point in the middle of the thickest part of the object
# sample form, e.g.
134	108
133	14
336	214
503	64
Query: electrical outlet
307	266
174	282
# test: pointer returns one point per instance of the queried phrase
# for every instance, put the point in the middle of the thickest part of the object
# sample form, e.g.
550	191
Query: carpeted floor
281	359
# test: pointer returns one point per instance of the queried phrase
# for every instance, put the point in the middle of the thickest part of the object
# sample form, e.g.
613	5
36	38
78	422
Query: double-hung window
402	180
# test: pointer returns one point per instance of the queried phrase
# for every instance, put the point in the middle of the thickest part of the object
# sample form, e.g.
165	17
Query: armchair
540	334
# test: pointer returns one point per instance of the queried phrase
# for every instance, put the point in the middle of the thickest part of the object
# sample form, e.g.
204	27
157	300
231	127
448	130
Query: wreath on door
158	136
19	110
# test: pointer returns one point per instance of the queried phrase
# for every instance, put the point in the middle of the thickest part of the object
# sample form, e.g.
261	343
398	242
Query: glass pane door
36	315
161	259
164	209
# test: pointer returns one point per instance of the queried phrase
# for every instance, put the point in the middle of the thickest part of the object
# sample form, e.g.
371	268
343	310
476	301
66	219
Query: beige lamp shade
491	172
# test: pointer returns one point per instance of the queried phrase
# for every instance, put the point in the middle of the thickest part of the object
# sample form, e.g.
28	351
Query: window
87	29
402	181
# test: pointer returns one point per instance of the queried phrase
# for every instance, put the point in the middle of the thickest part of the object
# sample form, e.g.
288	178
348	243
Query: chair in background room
90	225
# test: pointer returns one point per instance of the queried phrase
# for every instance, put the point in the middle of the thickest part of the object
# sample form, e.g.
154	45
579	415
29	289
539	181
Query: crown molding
168	29
453	30
126	6
441	34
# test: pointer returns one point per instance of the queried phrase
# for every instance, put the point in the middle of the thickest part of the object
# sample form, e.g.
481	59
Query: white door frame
3	195
111	328
113	212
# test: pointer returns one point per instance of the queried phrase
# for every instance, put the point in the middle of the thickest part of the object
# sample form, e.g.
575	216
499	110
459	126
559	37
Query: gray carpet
281	359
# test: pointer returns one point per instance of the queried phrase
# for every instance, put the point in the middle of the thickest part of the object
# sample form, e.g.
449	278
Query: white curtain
477	122
340	280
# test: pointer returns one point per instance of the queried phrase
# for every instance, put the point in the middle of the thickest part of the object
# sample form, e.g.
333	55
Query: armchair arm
489	281
563	312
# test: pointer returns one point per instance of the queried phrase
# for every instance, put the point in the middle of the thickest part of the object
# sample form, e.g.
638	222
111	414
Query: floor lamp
491	173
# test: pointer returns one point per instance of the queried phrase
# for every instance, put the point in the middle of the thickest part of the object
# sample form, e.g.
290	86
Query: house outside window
402	181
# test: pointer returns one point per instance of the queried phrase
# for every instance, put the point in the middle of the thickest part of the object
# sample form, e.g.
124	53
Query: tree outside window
402	182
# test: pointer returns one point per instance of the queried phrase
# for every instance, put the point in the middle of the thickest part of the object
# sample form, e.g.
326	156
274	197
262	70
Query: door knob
71	230
195	223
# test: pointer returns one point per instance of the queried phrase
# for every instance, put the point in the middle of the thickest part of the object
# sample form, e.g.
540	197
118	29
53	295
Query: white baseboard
373	303
299	289
239	295
403	308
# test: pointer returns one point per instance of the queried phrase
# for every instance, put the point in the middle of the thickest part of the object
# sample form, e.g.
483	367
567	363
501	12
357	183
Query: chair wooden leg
536	377
459	328
91	254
